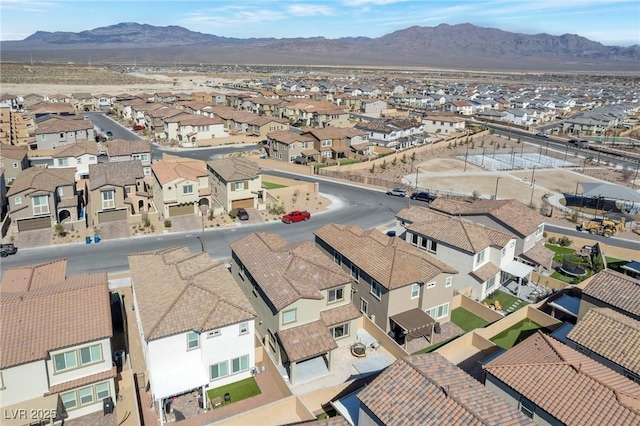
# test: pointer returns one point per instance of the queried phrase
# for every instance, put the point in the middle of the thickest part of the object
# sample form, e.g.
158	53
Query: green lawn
466	320
562	277
238	391
560	252
433	347
515	334
347	161
506	300
271	185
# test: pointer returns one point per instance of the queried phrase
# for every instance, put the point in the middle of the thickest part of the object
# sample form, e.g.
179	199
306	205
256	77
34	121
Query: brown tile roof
55	125
118	173
512	213
51	107
453	231
288	137
611	335
33	277
306	341
539	254
85	380
331	421
167	171
76	149
568	385
329	133
42	179
391	261
485	272
616	289
13	152
235	168
120	147
287	273
177	291
340	315
429	390
35	322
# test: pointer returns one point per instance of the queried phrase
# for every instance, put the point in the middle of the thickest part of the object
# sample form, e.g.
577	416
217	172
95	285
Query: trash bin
96	238
119	357
87	240
107	405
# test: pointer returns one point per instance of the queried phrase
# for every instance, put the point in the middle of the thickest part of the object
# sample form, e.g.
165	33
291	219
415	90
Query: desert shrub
167	223
574	217
233	213
277	209
564	241
553	240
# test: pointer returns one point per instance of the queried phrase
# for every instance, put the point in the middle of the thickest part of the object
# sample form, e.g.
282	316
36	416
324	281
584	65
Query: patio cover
517	269
178	380
306	341
632	266
567	304
609	190
414	321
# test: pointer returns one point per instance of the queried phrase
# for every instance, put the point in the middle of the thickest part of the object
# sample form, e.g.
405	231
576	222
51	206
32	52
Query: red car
137	128
296	216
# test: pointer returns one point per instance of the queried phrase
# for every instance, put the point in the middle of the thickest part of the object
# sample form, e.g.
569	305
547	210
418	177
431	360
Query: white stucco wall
23	382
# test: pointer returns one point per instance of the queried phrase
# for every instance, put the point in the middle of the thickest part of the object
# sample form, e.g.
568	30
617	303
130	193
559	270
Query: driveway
116	229
187	222
37	238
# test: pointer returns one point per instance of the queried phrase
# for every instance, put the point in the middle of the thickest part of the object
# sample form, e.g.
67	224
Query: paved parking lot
37	238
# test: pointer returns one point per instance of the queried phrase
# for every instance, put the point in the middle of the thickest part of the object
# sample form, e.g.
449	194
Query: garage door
180	210
245	204
35	223
112	216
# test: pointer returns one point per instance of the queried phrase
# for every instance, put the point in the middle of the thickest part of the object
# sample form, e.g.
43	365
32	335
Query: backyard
506	302
467	320
515	334
569	256
237	391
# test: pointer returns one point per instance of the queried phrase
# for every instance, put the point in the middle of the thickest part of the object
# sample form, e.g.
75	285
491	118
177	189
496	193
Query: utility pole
465	158
495	197
533	188
633	184
533	173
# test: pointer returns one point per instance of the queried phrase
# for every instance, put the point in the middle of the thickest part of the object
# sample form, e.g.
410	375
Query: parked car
391	233
296	216
109	134
7	249
542	135
397	192
423	196
242	214
138	127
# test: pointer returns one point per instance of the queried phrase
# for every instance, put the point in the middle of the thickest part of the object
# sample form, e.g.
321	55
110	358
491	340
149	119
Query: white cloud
309	10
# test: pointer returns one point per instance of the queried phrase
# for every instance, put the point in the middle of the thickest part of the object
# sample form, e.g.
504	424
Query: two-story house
180	186
287	146
189	128
235	182
117	191
122	150
77	156
84	102
510	216
196	326
41	197
394	133
484	256
301	297
443	124
60	370
331	142
56	131
395	284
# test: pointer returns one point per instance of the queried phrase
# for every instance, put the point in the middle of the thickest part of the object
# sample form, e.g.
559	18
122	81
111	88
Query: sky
610	22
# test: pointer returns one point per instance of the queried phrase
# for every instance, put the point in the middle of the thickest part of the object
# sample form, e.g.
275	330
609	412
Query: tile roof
288	137
35	322
568	385
611	335
429	390
340	314
453	231
539	254
57	124
331	421
76	149
616	289
512	213
235	168
486	271
112	373
118	173
13	152
391	261
306	341
42	179
33	277
287	273
177	291
168	171
120	147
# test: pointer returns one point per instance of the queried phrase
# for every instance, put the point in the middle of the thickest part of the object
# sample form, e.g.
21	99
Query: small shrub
147	222
372	169
544	234
574	217
233	213
403	160
564	241
553	240
394	162
167	223
383	166
277	209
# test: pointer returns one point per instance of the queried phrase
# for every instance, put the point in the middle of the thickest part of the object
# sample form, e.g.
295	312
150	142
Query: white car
542	135
397	192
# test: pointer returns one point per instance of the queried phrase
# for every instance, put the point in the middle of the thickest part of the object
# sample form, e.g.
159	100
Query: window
480	257
376	289
337	257
244	328
187	189
60	191
540	230
364	306
340	331
355	272
432	247
40	204
86	395
240	364
503	252
432	284
415	290
108	199
448	281
65	361
289	316
219	370
193	340
527	407
423	243
239	186
63	162
438	312
91	354
414	239
490	282
15	165
69	400
213	333
326	142
336	294
17	201
79	161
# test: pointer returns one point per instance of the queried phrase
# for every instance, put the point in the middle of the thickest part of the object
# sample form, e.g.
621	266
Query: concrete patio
447	331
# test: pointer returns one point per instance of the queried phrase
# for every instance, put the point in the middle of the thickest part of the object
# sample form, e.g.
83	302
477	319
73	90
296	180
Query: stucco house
394	133
77	156
443	124
180	186
235	182
64	372
14	160
57	131
302	300
287	146
122	150
189	128
196	326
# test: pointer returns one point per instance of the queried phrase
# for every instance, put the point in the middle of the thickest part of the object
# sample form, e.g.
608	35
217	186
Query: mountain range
462	46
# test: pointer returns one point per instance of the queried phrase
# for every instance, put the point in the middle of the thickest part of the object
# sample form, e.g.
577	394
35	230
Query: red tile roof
33	277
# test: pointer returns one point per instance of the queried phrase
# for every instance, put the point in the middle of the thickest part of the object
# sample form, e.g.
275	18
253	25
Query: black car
7	249
242	214
423	196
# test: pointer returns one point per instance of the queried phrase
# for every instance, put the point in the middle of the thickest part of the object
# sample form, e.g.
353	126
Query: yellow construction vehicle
605	227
